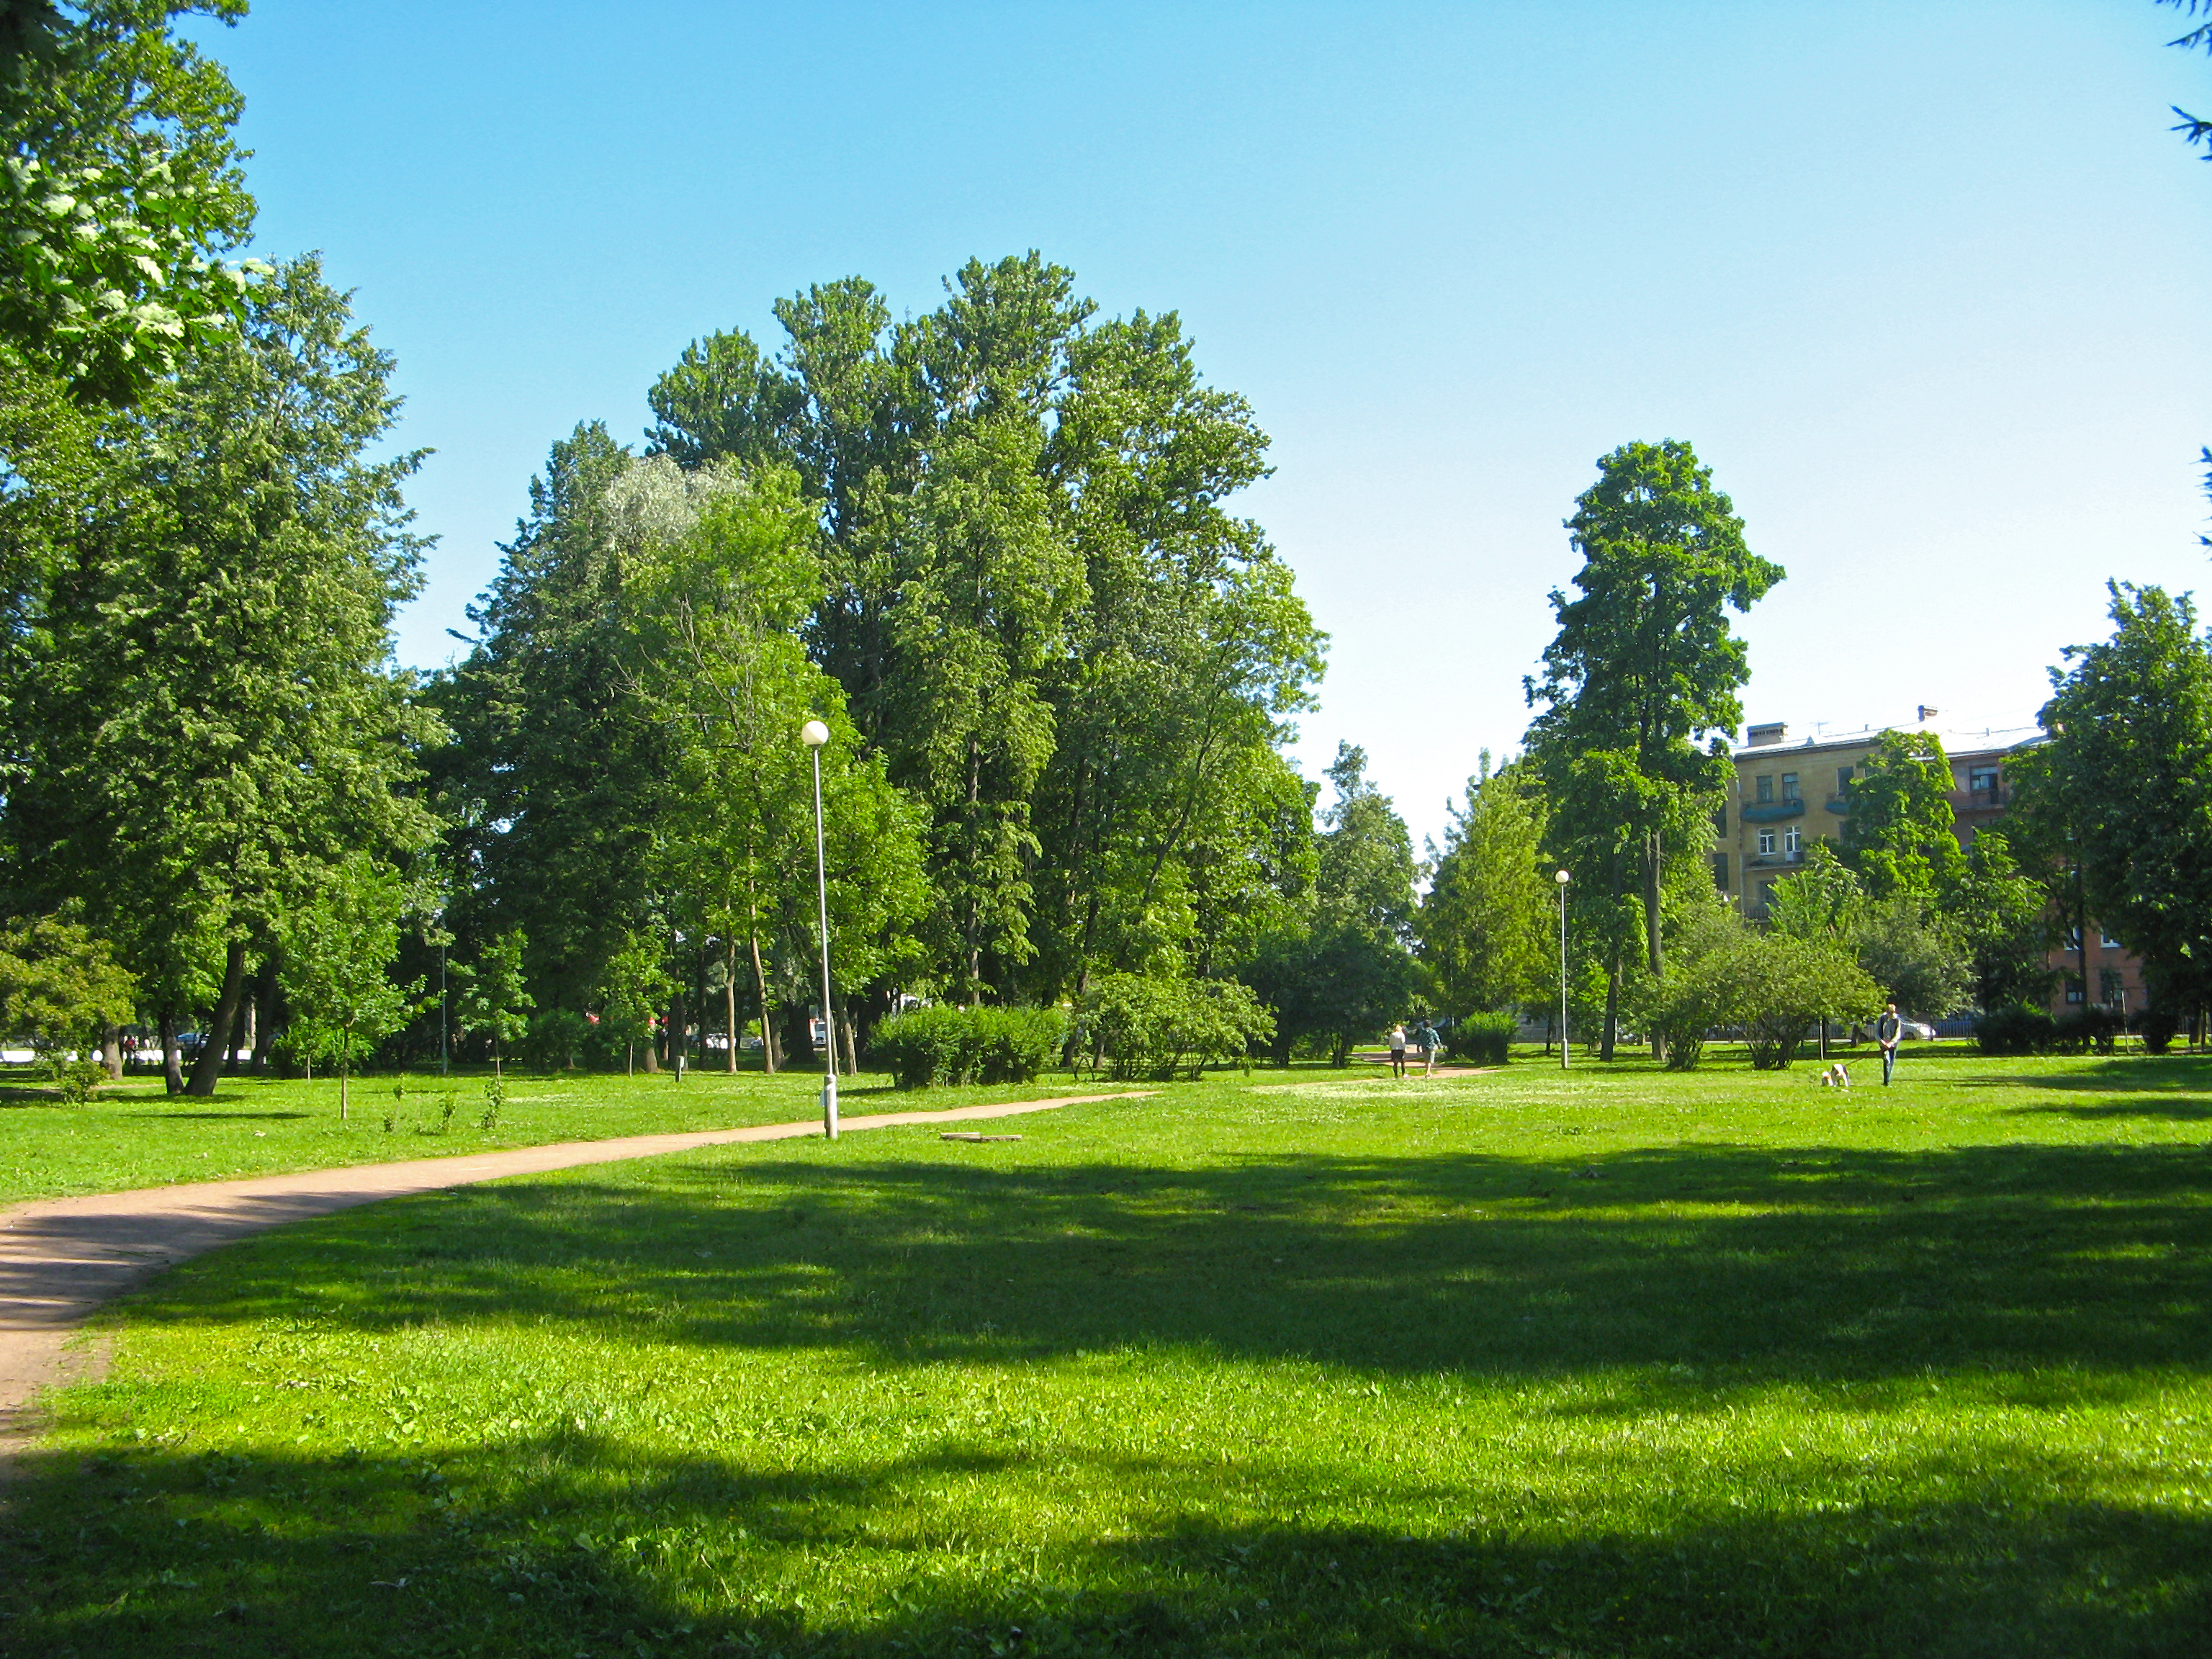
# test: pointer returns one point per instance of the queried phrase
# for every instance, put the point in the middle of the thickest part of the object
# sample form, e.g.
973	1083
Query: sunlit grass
1612	1363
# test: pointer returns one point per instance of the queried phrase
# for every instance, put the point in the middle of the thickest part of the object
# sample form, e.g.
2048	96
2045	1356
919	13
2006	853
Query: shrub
77	1080
2016	1030
1481	1039
2159	1029
1146	1027
925	1046
556	1037
2092	1028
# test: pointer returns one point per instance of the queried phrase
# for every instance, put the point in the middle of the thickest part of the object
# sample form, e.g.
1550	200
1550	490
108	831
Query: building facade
1788	794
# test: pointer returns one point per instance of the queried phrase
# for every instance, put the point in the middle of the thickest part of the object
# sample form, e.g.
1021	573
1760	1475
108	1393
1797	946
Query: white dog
1836	1077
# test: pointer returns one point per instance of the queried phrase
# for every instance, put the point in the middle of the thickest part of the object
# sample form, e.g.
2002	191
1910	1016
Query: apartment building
1787	794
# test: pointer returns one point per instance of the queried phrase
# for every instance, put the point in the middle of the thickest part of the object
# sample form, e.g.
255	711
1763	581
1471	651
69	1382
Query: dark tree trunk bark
111	1051
1653	943
173	1062
799	1040
220	1029
767	1008
265	1036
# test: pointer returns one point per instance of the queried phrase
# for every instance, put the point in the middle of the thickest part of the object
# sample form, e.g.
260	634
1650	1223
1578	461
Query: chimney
1758	736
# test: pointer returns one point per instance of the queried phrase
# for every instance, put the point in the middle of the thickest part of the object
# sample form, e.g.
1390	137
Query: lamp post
1563	878
814	734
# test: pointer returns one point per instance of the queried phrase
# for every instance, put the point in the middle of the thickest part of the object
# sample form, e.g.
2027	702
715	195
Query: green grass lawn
1615	1362
135	1135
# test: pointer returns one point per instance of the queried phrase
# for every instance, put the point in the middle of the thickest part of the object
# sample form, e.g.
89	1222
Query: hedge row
929	1046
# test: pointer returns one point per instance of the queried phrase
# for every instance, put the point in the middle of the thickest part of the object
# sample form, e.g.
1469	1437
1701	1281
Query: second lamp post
814	734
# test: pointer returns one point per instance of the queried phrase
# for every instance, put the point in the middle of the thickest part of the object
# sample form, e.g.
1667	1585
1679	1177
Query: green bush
77	1080
1481	1039
2016	1030
2092	1028
925	1046
555	1039
2159	1029
1138	1026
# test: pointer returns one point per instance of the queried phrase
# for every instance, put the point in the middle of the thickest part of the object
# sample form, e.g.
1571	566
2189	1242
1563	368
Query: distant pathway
60	1258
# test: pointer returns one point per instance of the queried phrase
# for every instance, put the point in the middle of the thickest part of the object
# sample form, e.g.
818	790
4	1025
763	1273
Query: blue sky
1921	281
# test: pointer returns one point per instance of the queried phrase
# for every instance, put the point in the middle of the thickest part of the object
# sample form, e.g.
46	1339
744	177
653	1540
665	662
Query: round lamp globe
814	734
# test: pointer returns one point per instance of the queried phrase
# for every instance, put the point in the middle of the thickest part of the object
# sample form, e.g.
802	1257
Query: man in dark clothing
1886	1031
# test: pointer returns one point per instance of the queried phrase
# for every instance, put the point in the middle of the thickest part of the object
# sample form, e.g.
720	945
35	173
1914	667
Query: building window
2110	987
2107	940
1765	789
1765	897
1842	779
1766	843
1789	786
1789	841
1983	781
2074	943
1720	820
1720	872
2073	990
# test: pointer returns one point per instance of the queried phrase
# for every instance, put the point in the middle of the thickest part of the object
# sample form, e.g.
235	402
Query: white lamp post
814	734
1561	878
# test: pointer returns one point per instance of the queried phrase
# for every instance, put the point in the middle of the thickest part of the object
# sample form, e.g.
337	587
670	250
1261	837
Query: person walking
1397	1051
1426	1040
1886	1031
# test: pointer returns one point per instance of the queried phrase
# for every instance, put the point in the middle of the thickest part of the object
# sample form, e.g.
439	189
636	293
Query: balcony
1839	804
1772	812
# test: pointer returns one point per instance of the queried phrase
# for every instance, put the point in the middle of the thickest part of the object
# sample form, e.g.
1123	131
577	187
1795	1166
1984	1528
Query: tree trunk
173	1067
249	1009
767	1010
730	1001
799	1046
209	1066
111	1051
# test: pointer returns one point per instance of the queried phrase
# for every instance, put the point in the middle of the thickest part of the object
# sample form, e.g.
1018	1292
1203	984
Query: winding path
60	1258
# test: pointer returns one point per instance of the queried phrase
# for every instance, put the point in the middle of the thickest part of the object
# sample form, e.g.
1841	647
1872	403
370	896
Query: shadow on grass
1836	1262
229	1117
570	1546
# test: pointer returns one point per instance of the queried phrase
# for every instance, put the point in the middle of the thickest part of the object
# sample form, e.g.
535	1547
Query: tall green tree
214	723
2121	790
1639	686
1487	926
495	1001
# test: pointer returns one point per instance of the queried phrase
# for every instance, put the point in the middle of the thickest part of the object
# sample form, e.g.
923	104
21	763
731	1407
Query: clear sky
1921	281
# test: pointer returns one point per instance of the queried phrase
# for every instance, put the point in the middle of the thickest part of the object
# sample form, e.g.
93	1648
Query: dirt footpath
60	1258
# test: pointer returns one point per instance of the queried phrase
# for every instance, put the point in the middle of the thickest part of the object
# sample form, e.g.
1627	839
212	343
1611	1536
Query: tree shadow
230	1117
568	1544
1767	1264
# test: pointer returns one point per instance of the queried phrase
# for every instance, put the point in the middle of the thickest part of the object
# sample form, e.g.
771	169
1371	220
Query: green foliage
1486	924
60	986
1773	985
213	726
2003	917
495	1102
77	1081
338	950
1344	971
1899	835
2026	1029
631	989
121	189
493	1001
924	1048
1482	1039
1145	1027
2121	789
1639	685
1914	956
555	1039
